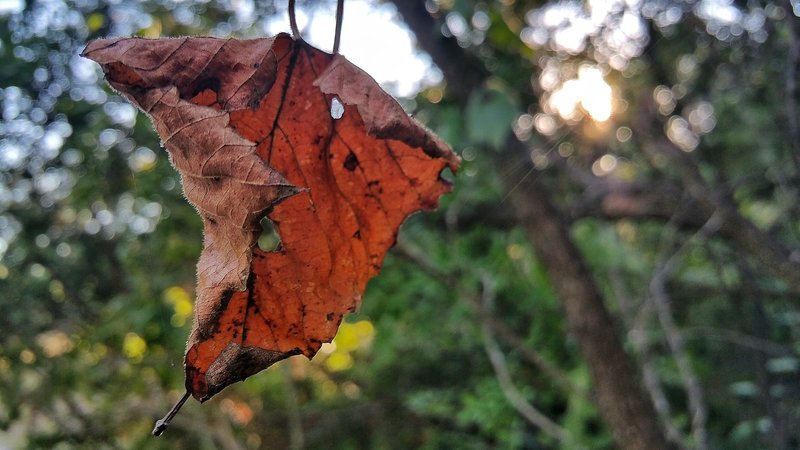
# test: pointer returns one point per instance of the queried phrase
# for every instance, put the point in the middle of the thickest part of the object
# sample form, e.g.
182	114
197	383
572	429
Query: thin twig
660	298
339	18
652	381
293	21
512	394
739	339
498	327
527	353
773	254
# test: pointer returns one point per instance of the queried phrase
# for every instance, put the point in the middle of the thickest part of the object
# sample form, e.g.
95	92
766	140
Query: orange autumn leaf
276	127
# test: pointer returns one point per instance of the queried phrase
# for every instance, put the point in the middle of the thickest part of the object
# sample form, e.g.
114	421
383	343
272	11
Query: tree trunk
619	396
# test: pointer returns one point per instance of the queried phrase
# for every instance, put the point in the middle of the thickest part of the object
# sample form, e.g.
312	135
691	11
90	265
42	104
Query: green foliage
488	116
97	244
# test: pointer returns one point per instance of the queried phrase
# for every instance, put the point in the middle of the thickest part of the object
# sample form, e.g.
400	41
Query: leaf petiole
339	18
293	21
162	424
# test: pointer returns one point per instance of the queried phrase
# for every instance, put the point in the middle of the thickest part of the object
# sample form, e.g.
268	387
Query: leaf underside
248	125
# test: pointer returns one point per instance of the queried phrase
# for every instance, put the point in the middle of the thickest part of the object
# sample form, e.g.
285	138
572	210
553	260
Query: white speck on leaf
337	108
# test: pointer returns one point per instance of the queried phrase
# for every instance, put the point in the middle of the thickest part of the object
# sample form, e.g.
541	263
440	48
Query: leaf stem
339	20
293	21
162	424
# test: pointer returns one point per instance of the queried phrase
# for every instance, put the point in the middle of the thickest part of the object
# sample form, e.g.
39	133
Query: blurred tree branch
512	394
775	256
508	336
637	324
622	403
660	298
792	61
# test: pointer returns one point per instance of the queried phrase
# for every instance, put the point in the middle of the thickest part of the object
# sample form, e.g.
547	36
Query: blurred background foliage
461	340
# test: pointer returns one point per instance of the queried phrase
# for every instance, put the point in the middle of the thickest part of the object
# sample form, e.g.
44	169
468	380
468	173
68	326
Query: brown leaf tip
238	72
234	364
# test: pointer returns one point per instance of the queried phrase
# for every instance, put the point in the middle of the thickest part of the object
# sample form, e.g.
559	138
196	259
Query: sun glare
589	91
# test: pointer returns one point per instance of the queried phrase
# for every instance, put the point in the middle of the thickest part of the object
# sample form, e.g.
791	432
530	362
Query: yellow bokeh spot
351	390
100	350
346	339
27	356
515	251
364	329
146	166
626	231
627	172
434	94
328	389
339	361
153	31
3	272
95	354
351	336
134	347
95	21
56	290
181	304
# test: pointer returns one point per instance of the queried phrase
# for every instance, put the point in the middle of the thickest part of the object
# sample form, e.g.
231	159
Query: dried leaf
277	127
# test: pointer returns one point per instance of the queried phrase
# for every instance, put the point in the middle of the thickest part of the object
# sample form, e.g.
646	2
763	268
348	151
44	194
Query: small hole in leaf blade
269	240
337	108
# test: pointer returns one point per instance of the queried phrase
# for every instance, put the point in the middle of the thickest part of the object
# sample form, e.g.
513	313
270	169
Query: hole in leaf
447	175
269	240
337	108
